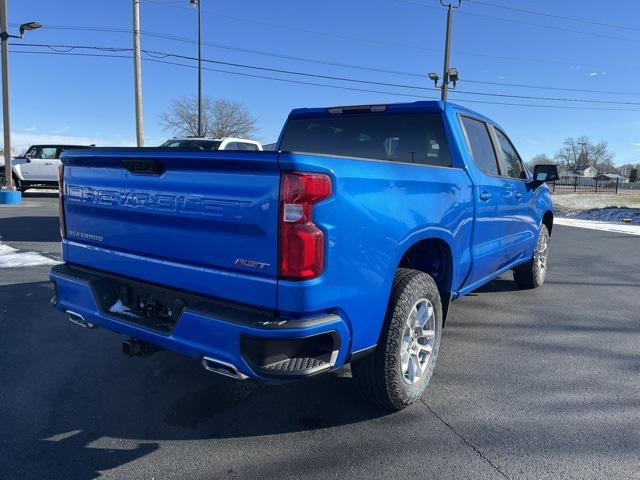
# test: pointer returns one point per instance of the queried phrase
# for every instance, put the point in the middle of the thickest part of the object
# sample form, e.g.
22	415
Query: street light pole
137	69
447	49
197	3
6	119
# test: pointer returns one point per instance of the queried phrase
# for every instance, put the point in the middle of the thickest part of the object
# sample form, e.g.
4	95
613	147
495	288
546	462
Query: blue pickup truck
345	245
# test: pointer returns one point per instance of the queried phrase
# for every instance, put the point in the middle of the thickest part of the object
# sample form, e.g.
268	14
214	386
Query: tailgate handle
144	167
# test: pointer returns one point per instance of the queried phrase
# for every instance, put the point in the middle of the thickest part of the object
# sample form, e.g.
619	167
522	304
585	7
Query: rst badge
251	263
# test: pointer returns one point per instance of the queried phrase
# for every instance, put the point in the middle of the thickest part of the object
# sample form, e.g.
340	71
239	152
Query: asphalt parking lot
529	384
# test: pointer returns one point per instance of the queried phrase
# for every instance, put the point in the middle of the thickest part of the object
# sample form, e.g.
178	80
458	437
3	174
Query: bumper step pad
296	366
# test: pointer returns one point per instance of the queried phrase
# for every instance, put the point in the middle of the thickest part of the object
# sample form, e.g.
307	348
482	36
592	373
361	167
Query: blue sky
77	98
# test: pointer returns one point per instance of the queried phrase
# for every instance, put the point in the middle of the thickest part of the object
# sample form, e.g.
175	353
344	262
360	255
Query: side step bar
222	368
78	319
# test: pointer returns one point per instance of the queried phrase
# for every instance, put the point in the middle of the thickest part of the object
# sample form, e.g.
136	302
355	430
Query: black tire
19	185
533	273
379	377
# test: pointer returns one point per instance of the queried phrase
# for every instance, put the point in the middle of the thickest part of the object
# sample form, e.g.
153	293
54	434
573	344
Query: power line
338	87
341	64
379	42
550	15
295	29
523	22
544	87
162	55
165	36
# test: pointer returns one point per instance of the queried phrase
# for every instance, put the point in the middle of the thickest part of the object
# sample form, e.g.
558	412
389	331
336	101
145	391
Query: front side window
249	147
34	152
410	138
509	158
480	146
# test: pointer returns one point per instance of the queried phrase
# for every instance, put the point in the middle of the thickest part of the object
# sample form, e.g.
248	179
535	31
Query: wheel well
547	220
433	256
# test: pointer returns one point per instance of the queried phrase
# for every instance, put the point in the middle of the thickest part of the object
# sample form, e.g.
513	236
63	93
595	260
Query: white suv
201	143
38	167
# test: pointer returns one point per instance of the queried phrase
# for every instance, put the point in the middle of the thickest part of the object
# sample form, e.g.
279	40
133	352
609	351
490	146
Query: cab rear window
408	138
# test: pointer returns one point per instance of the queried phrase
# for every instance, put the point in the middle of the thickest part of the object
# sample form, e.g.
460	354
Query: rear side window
192	144
49	153
511	164
480	146
250	147
409	138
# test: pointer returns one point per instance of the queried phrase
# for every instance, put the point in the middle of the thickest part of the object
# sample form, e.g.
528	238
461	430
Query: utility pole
137	70
197	4
447	48
582	158
6	120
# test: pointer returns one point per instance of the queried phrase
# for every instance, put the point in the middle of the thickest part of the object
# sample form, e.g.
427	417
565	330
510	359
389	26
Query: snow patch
122	309
589	201
612	215
595	225
11	258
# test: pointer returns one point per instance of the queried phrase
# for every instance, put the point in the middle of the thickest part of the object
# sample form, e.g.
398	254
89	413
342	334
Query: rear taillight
301	242
63	224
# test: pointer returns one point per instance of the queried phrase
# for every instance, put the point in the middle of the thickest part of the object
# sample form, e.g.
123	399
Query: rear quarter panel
377	211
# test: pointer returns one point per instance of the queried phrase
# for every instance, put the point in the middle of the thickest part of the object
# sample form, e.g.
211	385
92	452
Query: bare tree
581	152
540	159
220	118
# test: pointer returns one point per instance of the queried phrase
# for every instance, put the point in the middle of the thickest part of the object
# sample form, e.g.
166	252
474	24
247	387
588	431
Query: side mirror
545	173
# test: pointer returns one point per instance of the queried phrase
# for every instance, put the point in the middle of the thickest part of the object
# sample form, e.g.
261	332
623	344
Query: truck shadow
97	394
30	229
496	286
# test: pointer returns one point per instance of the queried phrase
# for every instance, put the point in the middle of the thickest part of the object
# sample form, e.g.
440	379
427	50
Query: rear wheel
399	370
533	273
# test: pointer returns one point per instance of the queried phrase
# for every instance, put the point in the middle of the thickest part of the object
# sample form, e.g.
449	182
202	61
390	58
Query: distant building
13	152
625	170
611	177
586	171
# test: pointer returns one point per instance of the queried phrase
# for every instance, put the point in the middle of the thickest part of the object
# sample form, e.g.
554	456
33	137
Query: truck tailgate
200	221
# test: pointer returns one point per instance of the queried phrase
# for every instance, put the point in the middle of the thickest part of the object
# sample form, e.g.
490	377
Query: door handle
484	196
518	195
48	164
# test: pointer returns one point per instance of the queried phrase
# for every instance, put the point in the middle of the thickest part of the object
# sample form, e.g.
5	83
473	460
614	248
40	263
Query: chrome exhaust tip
78	319
222	368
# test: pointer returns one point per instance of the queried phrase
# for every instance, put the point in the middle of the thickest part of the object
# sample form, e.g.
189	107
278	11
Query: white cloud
575	67
31	129
635	144
22	140
593	74
532	141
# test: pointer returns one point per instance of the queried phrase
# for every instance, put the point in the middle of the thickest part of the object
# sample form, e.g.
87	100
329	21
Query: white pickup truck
38	167
206	144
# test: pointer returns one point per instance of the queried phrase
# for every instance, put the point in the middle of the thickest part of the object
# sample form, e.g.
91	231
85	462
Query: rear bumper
251	340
